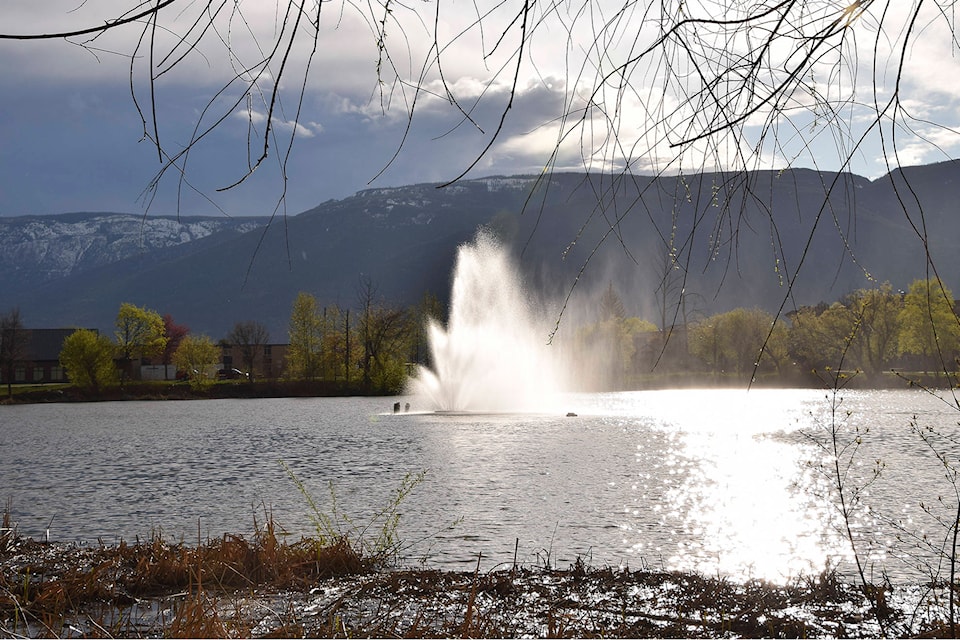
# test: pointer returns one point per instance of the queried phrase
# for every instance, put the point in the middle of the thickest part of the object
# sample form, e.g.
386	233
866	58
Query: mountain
35	250
724	240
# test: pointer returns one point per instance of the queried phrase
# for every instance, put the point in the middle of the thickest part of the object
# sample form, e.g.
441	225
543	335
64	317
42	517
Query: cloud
68	115
254	117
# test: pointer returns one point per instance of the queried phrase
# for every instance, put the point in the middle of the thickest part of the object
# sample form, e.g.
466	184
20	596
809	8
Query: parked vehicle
231	374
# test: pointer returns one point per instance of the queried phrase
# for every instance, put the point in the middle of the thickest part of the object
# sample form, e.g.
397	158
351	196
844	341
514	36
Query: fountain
493	355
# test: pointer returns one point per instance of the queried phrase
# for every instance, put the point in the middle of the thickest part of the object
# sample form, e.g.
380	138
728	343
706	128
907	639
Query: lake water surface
733	482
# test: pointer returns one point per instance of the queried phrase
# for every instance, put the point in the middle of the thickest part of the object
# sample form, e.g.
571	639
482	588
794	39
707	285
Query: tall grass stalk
842	447
376	538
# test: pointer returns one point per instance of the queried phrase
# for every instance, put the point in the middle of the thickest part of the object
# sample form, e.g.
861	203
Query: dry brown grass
265	586
43	585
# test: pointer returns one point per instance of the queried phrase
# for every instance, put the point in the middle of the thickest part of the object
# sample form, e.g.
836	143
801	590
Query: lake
734	482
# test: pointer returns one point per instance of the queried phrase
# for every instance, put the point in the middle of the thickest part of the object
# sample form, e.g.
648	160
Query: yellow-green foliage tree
878	326
861	332
928	324
733	341
140	333
87	358
606	350
304	355
197	356
819	337
340	351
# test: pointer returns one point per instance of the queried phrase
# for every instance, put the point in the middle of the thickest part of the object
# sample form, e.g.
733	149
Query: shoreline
169	390
235	587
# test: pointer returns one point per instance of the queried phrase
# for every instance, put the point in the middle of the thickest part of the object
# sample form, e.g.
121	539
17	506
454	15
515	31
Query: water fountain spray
493	354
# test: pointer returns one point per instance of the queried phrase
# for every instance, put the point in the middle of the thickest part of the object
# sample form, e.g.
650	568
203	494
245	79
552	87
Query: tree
826	337
878	313
87	358
139	334
741	340
251	337
304	356
174	333
606	351
611	306
428	309
197	356
385	334
14	342
928	323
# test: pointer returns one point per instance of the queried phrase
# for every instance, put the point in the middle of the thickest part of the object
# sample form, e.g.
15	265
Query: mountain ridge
738	239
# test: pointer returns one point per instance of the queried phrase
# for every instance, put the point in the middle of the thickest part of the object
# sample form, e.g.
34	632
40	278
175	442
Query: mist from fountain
493	354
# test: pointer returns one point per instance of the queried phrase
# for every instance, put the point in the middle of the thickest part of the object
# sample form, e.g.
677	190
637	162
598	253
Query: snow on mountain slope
43	248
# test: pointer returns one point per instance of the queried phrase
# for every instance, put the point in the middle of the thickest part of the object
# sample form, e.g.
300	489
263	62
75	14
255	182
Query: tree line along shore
872	337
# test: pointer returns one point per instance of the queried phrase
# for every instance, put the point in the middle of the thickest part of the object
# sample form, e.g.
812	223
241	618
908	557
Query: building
41	362
269	360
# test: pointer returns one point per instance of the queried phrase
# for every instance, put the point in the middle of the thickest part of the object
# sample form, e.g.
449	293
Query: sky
72	137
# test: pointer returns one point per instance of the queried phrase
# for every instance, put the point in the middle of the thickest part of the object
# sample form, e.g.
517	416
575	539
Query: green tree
877	337
820	337
340	350
704	343
197	356
385	335
251	337
928	324
87	358
741	340
606	350
14	341
140	333
304	355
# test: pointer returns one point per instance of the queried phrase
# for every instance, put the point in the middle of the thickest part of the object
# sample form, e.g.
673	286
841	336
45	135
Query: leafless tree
14	344
385	333
251	337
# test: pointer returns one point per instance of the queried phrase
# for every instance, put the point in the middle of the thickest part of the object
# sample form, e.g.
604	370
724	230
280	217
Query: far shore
174	390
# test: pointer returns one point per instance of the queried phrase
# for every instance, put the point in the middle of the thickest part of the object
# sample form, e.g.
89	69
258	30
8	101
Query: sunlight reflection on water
745	501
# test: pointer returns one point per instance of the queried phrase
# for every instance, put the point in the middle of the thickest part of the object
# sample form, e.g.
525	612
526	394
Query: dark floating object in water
571	414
